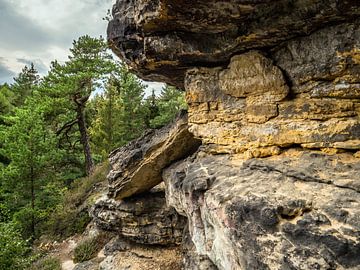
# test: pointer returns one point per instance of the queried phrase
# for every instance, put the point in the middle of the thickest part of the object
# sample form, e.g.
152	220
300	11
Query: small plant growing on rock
88	248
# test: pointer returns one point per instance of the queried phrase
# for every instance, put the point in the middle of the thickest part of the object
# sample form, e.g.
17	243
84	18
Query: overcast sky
40	31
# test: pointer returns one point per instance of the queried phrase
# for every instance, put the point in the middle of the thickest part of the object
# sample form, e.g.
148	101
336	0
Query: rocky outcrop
144	219
140	257
273	89
137	166
299	210
303	92
162	39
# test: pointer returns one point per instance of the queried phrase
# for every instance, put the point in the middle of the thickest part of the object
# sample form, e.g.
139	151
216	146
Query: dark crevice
299	176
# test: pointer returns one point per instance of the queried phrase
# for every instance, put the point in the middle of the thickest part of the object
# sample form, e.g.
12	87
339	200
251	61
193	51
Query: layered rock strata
144	219
137	166
273	89
302	92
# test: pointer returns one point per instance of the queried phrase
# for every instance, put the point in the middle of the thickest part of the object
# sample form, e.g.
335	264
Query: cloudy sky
40	31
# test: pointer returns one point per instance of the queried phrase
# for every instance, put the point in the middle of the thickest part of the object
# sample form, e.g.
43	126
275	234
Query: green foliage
47	263
121	114
70	85
88	248
31	149
6	100
71	216
170	102
13	249
47	126
24	84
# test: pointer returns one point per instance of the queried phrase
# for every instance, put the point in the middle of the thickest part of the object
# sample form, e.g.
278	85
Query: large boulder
137	167
299	210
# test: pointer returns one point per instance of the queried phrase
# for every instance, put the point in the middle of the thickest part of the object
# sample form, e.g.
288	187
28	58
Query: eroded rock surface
144	219
305	91
299	210
273	89
137	167
161	39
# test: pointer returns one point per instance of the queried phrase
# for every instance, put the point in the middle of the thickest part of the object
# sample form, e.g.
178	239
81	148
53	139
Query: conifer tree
73	83
170	102
24	84
121	114
30	147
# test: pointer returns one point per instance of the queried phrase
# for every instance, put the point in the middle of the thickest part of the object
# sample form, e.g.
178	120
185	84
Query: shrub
47	263
88	248
14	251
71	216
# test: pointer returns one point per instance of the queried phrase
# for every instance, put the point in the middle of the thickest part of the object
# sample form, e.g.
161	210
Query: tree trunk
84	139
32	183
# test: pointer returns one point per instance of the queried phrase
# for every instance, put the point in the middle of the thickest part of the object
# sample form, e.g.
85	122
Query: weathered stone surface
254	76
144	219
137	166
274	87
298	210
161	39
324	64
116	244
307	94
87	265
191	258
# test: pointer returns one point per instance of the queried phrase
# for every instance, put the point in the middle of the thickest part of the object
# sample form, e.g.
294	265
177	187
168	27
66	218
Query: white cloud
41	31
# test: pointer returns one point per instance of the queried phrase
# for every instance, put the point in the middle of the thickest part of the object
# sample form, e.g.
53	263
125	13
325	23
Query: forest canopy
55	129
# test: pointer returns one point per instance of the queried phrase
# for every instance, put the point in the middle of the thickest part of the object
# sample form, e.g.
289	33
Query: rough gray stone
144	218
298	210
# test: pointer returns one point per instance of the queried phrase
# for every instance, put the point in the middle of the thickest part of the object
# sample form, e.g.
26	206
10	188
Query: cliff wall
273	89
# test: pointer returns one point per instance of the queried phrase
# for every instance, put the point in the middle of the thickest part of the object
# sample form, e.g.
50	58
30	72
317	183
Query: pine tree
121	114
24	84
72	84
151	104
105	123
6	100
30	147
132	116
170	102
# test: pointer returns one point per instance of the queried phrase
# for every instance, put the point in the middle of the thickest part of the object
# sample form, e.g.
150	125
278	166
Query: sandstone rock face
305	91
298	210
144	219
137	166
161	39
273	89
